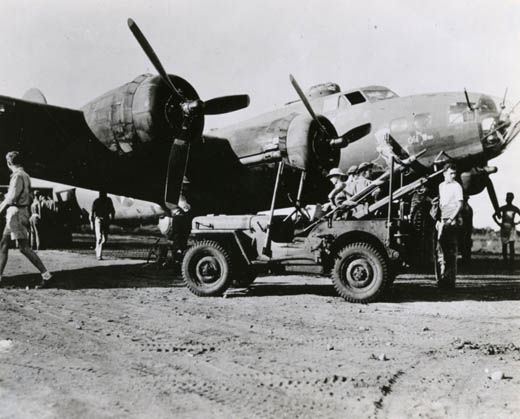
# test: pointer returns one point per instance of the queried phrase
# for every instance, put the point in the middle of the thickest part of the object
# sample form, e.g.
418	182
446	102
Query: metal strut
266	251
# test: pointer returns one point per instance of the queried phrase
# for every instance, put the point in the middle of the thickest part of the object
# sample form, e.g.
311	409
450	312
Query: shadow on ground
115	276
406	290
482	281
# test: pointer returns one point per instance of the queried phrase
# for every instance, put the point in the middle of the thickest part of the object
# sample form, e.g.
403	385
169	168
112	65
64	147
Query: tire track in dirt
386	389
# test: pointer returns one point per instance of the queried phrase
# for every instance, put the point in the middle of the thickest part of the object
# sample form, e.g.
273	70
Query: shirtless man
505	218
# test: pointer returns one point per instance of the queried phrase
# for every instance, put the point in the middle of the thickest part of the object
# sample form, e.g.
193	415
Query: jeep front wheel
359	273
206	269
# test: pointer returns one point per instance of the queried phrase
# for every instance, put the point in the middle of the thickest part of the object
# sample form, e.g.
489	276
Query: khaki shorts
17	223
508	233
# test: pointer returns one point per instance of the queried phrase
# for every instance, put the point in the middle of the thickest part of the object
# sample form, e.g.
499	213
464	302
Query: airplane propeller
191	112
150	53
307	104
334	140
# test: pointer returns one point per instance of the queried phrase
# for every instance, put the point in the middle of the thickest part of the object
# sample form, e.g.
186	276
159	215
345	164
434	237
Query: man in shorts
505	218
16	206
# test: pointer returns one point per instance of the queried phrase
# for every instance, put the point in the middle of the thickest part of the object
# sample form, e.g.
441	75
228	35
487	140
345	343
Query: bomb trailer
361	255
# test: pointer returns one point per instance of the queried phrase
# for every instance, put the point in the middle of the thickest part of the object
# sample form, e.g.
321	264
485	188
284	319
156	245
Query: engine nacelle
294	139
306	146
475	180
134	114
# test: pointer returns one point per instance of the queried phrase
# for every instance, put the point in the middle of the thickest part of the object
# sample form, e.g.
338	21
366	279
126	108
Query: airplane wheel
206	269
360	273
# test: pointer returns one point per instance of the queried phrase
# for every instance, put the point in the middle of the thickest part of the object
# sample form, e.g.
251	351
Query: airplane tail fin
34	95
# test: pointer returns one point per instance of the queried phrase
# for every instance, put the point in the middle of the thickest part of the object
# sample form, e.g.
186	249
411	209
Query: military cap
335	172
352	170
365	166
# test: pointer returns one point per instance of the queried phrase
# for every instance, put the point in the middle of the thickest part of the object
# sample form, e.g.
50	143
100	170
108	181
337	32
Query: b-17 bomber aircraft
145	139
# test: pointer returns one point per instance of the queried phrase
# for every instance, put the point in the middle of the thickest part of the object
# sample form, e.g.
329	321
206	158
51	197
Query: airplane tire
360	273
207	269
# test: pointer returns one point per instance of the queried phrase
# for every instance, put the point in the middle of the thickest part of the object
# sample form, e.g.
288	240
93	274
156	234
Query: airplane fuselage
231	170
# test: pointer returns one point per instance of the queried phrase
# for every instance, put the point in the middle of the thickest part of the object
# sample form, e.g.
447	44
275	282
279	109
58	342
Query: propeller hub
184	112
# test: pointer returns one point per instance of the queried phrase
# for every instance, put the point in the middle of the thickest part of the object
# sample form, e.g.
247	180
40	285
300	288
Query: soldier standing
450	204
420	206
506	214
16	203
101	216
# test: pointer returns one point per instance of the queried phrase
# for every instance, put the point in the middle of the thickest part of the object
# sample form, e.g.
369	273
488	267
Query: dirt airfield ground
118	338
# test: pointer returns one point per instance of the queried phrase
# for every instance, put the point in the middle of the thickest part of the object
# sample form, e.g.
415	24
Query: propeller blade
492	194
352	135
503	103
225	104
177	163
150	53
307	104
467	100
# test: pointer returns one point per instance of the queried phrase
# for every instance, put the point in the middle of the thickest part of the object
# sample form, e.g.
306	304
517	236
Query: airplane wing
59	146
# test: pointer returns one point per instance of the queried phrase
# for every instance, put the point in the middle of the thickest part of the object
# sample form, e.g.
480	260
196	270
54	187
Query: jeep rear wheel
207	269
360	273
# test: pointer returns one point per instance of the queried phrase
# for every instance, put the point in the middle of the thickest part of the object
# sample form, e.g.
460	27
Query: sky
74	51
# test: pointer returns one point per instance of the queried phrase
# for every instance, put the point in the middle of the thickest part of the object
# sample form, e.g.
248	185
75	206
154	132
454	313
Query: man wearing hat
363	179
338	195
360	184
350	183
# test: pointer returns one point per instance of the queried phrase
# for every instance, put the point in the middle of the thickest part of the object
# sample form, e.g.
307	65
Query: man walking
16	205
101	216
450	204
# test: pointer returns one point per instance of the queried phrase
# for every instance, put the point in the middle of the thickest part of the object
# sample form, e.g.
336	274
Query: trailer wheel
207	269
360	273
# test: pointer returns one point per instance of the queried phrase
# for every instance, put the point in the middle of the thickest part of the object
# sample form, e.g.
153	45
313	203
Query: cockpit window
399	126
374	95
422	121
459	113
487	105
330	104
355	97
